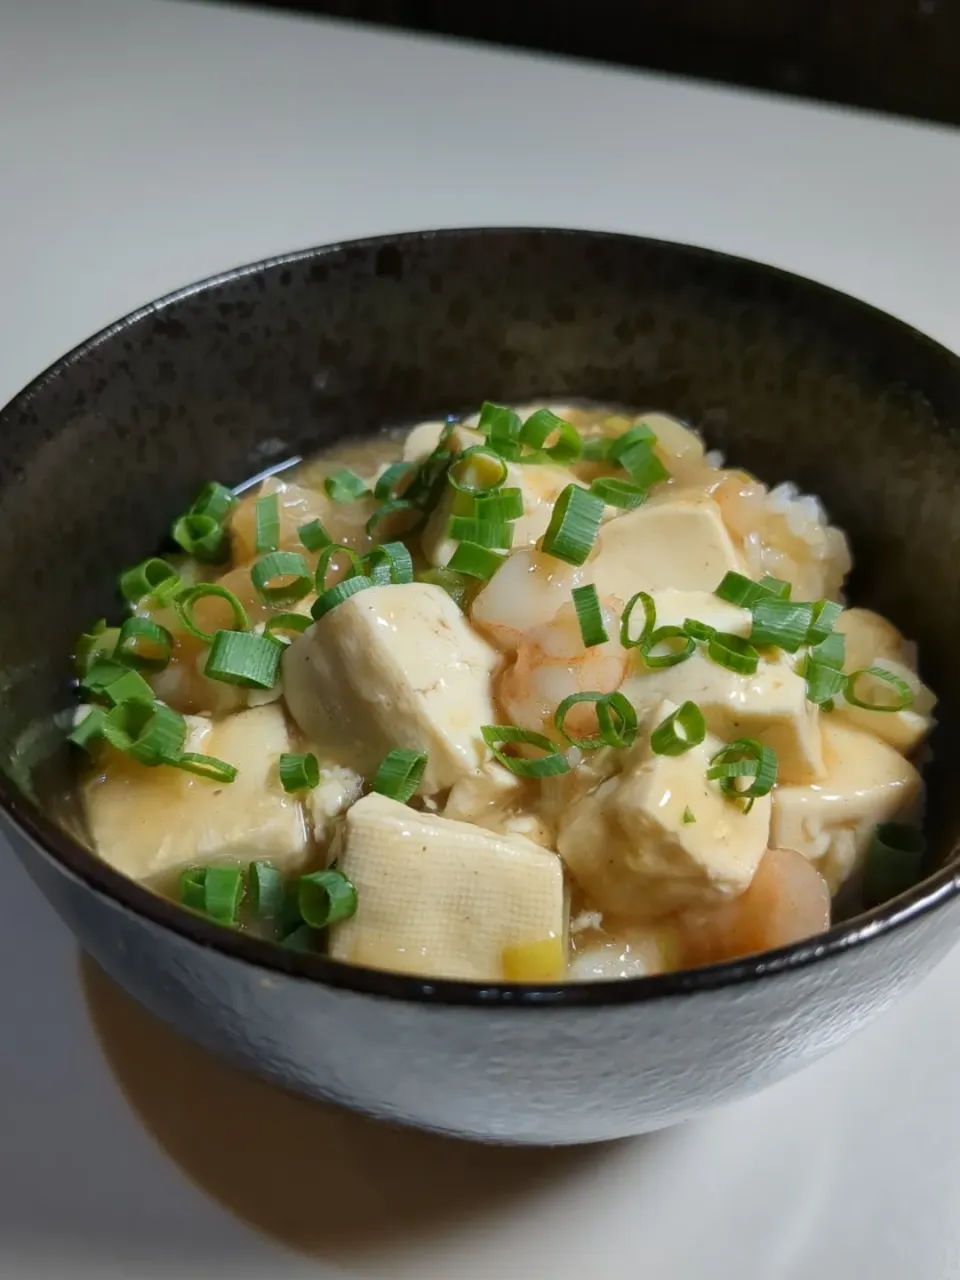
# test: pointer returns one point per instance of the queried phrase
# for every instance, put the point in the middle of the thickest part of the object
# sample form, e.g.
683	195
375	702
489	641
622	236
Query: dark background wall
900	56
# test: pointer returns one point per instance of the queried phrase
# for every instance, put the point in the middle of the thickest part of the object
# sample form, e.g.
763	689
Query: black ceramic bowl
232	375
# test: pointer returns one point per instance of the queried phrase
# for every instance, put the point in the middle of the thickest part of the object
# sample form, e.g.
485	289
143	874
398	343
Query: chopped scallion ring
699	631
482	533
688	816
733	652
893	863
89	729
143	644
201	537
589	616
779	622
299	772
333	596
744	592
296	623
596	449
649	621
265	890
826	614
191	884
390	563
745	758
775	587
633	436
499	506
223	893
643	466
154	577
475	561
574	525
110	681
282	577
543	424
99	642
204	766
400	773
241	658
550	765
405	517
394	481
214	500
679	732
616	721
149	733
184	605
324	898
345	486
477	470
831	651
500	423
314	536
618	493
824	682
267	517
902	694
327	555
679	647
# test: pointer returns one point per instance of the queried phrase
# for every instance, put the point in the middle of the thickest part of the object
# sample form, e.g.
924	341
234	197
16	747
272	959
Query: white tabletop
144	143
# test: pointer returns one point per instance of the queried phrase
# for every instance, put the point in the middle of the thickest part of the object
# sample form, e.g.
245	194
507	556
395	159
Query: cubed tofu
393	666
678	446
678	541
150	822
628	846
866	782
869	636
442	898
906	729
422	441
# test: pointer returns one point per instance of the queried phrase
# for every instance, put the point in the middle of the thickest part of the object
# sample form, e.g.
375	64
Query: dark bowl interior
227	378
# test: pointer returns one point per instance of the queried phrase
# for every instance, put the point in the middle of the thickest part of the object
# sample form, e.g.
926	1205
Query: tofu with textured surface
148	822
441	898
393	666
866	781
628	846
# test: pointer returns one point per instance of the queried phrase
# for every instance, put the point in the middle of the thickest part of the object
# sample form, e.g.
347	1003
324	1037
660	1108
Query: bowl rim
28	821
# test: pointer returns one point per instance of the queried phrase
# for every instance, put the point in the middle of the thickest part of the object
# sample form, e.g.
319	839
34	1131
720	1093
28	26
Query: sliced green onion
204	766
304	939
149	733
390	563
649	621
743	592
733	652
282	577
392	483
547	766
267	518
643	466
280	622
324	898
779	622
679	732
454	584
201	537
153	577
144	644
323	564
400	773
823	682
99	642
826	614
113	682
775	587
345	486
500	506
699	631
463	473
640	434
89	729
901	691
596	449
499	422
192	880
589	616
265	890
223	893
540	426
299	772
893	862
574	525
831	651
616	720
314	536
745	758
480	532
475	561
214	500
676	652
688	816
185	602
414	514
618	493
241	658
333	596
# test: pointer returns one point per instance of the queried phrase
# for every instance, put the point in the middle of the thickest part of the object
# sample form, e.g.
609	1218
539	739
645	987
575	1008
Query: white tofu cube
906	729
393	666
441	898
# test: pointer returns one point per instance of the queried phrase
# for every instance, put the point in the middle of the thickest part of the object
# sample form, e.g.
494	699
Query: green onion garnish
154	577
699	631
826	614
589	615
643	465
299	772
192	880
681	730
893	863
638	435
223	893
616	720
113	682
823	682
281	622
99	642
831	651
324	898
596	449
314	536
267	514
282	577
775	587
400	773
333	596
475	561
89	729
618	493
501	426
345	486
265	890
147	732
414	518
393	481
733	652
540	426
649	621
323	564
902	694
547	766
204	766
185	602
390	563
201	537
214	500
573	526
464	473
745	758
452	583
500	506
482	533
779	622
144	644
241	658
679	647
743	592
688	816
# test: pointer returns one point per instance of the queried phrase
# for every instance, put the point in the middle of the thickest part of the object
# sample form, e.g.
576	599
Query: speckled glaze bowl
232	375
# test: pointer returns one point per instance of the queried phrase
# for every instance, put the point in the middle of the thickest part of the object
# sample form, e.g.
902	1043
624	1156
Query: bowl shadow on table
319	1179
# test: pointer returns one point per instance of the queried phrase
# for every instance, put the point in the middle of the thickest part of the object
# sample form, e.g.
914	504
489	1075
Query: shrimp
787	900
345	522
552	663
524	594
